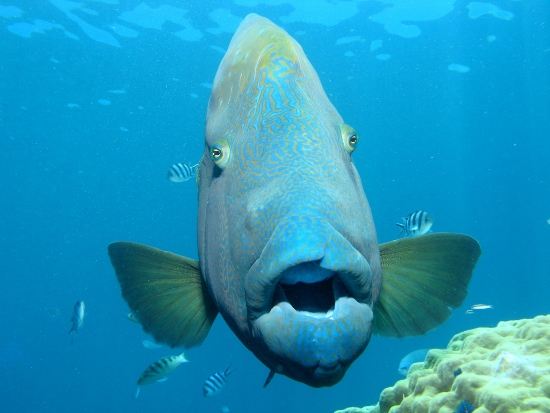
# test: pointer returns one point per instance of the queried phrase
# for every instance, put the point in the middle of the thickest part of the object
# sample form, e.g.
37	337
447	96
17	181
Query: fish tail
72	333
402	229
227	372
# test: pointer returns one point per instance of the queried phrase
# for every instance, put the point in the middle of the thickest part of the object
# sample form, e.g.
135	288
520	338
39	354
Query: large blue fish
288	252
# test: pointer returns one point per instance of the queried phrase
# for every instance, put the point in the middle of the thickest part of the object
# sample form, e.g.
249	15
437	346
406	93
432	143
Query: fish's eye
216	153
349	137
219	153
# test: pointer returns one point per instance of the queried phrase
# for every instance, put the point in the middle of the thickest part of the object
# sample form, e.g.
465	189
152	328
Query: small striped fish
181	172
416	224
78	319
214	384
158	370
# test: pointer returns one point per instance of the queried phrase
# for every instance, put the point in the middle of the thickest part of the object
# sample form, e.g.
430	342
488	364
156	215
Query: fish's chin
309	303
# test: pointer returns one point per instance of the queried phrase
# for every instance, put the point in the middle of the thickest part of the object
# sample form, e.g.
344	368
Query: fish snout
309	300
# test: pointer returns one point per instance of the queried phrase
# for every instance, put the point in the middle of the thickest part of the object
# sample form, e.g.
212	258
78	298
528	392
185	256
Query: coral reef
505	369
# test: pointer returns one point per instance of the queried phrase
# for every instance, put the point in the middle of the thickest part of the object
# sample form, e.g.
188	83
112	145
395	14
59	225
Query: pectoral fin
166	292
421	278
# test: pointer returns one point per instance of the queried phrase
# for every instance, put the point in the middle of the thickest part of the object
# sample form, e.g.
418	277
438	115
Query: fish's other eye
219	153
349	137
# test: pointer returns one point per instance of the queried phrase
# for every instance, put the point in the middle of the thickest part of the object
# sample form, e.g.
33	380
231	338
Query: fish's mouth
314	294
309	301
310	289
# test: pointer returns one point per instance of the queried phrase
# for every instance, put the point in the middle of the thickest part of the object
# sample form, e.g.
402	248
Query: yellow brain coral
503	369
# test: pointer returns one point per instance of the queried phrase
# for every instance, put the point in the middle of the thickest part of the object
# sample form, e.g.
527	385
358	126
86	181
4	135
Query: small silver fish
78	319
214	384
181	172
481	307
132	317
157	371
150	345
411	358
416	224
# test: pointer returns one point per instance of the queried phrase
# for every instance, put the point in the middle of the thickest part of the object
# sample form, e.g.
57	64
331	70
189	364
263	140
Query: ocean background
99	98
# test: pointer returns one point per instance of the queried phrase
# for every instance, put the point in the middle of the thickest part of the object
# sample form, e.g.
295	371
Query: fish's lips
309	301
316	350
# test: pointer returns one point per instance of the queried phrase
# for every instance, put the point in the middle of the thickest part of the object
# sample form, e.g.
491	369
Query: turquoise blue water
99	98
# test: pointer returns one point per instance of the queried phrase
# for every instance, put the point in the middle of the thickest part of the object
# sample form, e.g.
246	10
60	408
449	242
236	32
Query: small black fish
214	384
78	319
465	407
181	172
416	224
457	372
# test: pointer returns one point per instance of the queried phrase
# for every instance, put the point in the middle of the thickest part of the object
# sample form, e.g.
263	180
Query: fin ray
421	278
166	292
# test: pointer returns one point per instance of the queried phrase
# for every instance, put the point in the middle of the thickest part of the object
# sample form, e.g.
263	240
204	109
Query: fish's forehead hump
255	43
254	55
